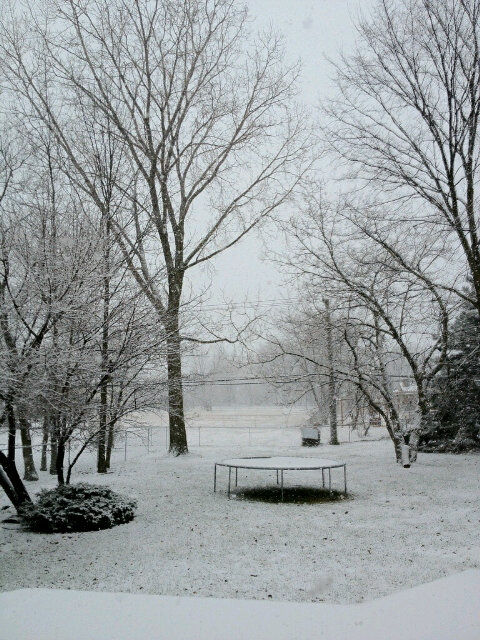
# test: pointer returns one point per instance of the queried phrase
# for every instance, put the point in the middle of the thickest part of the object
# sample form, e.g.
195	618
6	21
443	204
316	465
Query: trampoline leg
330	481
215	479
323	478
281	476
277	477
236	476
229	479
345	477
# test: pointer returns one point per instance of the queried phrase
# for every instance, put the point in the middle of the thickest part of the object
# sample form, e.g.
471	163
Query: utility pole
332	387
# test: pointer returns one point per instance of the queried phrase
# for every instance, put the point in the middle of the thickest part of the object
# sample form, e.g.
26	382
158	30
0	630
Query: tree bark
405	452
45	432
103	413
12	427
393	432
54	447
102	434
110	443
7	487
60	461
413	445
29	462
12	483
178	434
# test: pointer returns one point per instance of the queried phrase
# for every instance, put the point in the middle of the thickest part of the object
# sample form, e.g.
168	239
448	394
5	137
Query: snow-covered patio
400	528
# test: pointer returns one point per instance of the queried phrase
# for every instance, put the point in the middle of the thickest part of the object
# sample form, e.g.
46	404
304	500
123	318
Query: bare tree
369	371
206	116
10	480
406	120
394	310
298	353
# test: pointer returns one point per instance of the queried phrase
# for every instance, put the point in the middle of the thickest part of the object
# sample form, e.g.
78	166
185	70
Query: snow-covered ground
432	611
400	528
235	427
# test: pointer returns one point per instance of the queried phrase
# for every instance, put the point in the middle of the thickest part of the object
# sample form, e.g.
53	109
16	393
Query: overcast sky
313	30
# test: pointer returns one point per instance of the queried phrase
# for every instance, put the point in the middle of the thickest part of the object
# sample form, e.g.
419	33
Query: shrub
77	507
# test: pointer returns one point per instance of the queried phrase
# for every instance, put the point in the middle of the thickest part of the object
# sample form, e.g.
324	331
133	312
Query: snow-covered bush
77	507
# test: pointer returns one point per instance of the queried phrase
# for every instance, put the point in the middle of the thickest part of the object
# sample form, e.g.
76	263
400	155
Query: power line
274	302
284	379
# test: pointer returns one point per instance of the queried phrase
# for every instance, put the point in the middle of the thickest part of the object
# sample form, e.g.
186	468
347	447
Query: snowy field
399	528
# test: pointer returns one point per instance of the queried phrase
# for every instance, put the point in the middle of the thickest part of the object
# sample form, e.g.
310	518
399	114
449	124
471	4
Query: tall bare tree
406	119
207	118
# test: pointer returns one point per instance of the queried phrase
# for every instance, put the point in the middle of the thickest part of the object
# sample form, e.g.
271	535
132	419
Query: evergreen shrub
77	507
455	393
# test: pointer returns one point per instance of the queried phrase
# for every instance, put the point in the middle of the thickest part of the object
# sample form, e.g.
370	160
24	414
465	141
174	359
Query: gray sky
313	30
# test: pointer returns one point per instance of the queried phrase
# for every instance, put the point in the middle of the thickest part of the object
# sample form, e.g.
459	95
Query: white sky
313	30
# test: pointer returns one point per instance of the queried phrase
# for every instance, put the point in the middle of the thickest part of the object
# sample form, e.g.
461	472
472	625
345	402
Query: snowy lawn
399	528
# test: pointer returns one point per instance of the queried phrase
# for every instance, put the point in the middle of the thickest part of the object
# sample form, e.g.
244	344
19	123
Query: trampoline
280	465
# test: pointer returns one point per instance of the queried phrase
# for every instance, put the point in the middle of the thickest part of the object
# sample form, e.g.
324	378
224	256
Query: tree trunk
102	434
397	443
178	434
12	483
103	412
30	470
110	443
54	447
405	451
413	445
60	461
7	486
45	432
420	421
394	428
332	391
12	427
